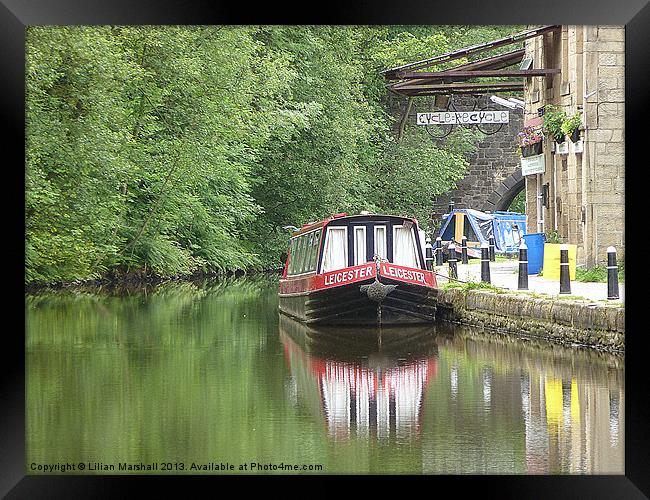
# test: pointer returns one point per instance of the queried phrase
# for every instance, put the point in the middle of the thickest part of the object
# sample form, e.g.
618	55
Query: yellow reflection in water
553	397
575	405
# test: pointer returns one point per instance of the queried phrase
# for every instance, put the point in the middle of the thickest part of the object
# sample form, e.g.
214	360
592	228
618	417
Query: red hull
357	274
338	297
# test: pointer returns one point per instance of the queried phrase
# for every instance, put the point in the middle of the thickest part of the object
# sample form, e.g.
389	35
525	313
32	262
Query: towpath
504	274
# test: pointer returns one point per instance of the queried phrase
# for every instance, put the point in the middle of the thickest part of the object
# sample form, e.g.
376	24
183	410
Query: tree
170	150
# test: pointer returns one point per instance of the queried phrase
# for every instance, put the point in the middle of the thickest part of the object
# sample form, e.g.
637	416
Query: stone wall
558	320
496	160
491	167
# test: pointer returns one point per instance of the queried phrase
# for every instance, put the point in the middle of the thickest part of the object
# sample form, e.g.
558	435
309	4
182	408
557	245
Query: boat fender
377	290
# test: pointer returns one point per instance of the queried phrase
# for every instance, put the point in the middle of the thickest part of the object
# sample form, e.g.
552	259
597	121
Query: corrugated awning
411	80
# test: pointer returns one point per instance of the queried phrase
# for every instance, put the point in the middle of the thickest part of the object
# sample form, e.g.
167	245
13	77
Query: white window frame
356	253
327	242
385	240
415	247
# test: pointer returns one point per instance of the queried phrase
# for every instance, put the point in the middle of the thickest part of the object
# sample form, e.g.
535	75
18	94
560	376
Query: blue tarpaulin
507	227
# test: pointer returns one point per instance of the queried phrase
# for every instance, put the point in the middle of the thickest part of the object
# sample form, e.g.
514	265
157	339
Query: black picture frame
15	15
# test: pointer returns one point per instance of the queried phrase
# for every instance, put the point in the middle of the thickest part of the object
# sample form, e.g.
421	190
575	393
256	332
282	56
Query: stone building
580	195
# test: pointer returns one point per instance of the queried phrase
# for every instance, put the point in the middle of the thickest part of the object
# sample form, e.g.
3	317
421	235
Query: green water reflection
208	374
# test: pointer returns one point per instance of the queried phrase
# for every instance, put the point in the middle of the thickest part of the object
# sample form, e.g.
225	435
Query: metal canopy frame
410	80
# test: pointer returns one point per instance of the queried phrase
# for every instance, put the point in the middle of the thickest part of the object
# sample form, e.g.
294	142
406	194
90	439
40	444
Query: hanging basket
560	140
575	135
531	149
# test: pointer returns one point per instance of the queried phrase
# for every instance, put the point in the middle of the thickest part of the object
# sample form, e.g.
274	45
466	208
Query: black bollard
565	278
428	249
523	266
492	252
453	269
485	263
463	250
612	274
438	251
451	206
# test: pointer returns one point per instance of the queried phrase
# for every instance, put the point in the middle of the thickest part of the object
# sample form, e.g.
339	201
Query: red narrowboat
366	269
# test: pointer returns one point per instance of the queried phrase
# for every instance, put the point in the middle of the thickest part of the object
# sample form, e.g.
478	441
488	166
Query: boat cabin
366	269
344	241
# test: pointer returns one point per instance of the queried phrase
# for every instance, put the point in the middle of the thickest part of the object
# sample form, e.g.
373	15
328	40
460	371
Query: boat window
335	255
304	252
380	242
404	249
300	254
468	231
359	245
309	240
293	256
313	251
296	255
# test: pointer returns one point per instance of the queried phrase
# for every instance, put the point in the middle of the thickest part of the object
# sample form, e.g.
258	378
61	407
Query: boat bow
377	291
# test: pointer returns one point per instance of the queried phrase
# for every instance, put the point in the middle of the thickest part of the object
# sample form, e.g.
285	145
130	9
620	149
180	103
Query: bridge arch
502	196
493	176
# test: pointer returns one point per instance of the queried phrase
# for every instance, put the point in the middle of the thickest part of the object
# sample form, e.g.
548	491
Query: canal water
208	378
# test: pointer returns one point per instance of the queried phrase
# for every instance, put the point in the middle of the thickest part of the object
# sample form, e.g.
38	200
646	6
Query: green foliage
570	124
553	119
412	172
139	152
518	203
406	47
170	150
553	237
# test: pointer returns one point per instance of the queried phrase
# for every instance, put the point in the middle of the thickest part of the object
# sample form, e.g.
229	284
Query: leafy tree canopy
176	149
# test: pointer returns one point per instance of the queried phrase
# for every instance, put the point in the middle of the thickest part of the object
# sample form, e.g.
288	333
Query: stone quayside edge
557	320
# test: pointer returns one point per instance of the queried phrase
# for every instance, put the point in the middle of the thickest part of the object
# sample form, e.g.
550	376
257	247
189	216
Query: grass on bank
596	274
479	285
474	285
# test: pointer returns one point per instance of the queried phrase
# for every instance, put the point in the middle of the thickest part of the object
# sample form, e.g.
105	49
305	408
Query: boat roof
310	226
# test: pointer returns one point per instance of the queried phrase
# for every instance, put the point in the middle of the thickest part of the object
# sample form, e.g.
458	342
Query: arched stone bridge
493	178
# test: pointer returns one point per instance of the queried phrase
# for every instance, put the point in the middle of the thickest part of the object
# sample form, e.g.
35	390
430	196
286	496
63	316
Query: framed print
378	241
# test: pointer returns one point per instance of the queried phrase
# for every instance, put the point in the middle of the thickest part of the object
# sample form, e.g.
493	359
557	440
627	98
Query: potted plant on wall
571	127
530	141
553	119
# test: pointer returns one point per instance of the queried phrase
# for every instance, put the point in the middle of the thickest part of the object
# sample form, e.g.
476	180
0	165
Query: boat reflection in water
370	384
452	399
